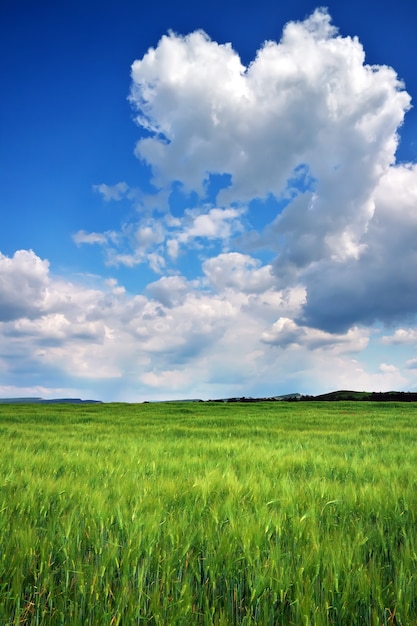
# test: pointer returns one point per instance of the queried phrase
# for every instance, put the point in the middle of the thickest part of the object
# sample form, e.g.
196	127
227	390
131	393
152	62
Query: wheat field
208	514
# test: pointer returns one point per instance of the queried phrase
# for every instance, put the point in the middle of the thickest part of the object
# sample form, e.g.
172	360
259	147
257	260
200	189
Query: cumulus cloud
380	284
300	99
401	335
169	290
215	224
155	240
195	227
309	123
239	272
308	100
182	337
286	333
23	285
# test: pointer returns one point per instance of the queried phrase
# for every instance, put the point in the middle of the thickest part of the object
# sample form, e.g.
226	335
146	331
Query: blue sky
207	199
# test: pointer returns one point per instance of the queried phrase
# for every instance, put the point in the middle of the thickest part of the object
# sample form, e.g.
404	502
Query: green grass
201	514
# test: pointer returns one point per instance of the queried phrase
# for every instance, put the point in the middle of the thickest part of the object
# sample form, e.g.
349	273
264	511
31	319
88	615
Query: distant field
201	514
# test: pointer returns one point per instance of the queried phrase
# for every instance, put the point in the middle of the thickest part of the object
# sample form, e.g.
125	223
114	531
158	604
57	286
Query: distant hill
340	395
387	396
333	396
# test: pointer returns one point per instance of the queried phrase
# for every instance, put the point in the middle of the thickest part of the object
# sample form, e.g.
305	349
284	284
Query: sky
207	199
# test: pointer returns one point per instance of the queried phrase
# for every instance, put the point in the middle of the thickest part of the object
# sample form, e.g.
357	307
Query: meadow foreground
201	514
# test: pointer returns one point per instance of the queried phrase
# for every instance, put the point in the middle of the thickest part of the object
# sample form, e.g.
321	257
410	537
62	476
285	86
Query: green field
223	514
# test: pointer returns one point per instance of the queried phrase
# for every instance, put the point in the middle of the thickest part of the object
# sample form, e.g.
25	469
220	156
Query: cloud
401	336
239	272
112	192
310	124
168	379
115	288
156	240
384	367
82	237
170	291
286	333
308	99
182	338
23	285
380	283
215	224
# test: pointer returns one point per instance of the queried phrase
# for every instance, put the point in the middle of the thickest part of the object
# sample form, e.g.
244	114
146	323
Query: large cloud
308	103
381	283
23	285
207	337
307	121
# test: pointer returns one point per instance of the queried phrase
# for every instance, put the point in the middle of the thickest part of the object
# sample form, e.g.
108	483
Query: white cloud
167	379
308	106
82	237
286	333
216	224
309	100
239	272
309	112
155	240
170	290
23	285
112	192
389	369
180	341
115	288
150	232
401	335
346	373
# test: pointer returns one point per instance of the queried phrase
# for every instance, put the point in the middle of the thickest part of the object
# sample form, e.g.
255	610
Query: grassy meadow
208	514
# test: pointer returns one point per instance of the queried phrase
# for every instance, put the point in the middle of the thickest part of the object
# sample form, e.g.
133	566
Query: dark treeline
388	396
334	396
